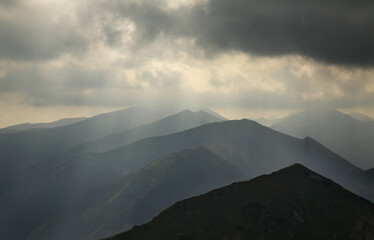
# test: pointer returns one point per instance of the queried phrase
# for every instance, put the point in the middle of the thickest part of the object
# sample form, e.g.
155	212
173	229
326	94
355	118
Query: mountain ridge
346	136
151	190
246	144
307	206
177	122
38	126
23	149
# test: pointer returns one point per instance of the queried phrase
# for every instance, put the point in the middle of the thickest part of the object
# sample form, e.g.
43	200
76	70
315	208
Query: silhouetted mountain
361	117
293	203
348	137
369	176
154	188
246	144
370	171
20	150
37	126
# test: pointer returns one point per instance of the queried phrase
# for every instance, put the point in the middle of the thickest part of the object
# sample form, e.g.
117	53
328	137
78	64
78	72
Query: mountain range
102	186
46	185
20	150
175	123
38	126
245	144
348	137
137	198
293	203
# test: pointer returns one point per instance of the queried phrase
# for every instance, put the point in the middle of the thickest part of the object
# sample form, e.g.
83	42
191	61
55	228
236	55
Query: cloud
332	31
214	53
36	33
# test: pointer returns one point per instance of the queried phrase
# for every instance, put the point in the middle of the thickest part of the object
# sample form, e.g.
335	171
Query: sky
242	58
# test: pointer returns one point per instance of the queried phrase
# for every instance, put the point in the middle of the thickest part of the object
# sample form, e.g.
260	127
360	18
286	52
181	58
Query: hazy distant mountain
34	126
267	122
361	117
211	112
21	150
253	148
175	123
350	138
42	185
171	124
247	144
154	188
293	203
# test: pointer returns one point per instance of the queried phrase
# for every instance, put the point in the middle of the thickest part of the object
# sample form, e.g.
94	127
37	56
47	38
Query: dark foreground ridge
292	203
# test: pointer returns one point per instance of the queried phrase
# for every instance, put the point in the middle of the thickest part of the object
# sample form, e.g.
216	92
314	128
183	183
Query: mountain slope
246	144
34	126
20	150
344	135
361	117
211	112
267	122
160	184
70	183
175	123
293	203
252	147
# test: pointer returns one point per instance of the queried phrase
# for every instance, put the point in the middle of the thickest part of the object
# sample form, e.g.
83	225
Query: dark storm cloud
150	20
332	31
120	52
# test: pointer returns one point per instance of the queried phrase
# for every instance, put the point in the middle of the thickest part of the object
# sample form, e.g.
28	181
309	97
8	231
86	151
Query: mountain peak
295	171
292	203
296	167
186	111
210	111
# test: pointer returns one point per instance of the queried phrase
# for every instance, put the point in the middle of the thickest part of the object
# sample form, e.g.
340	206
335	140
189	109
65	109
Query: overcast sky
62	58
